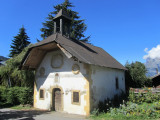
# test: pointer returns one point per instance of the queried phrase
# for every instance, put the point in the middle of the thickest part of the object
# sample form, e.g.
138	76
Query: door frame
52	97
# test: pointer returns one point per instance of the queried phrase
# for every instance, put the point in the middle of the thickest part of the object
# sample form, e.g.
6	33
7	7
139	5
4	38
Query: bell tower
62	23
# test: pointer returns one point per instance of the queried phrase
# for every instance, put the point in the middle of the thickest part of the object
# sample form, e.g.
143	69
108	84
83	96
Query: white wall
103	83
67	81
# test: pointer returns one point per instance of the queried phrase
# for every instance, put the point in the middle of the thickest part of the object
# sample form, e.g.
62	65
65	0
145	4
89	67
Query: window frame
76	103
40	93
56	76
117	83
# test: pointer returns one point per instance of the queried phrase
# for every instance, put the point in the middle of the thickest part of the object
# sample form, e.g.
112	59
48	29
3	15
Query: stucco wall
103	83
68	81
94	83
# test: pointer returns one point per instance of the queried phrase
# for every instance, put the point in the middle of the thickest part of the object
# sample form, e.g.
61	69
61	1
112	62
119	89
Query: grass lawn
26	107
21	107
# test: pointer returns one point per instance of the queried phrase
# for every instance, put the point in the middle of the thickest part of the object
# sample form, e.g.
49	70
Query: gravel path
10	114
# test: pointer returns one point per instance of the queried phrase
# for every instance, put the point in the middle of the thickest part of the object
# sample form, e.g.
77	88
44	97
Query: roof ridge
81	44
81	41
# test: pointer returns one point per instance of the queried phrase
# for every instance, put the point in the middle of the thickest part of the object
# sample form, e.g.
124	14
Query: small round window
75	69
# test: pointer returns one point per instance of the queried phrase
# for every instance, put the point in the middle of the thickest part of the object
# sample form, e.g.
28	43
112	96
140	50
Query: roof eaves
62	13
54	40
155	76
24	58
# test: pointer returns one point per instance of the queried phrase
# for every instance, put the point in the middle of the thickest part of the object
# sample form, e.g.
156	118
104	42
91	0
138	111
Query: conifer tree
78	27
19	42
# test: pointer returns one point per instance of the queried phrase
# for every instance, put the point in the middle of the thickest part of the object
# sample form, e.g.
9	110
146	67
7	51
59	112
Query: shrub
131	111
117	100
141	97
3	95
15	95
140	106
26	96
12	96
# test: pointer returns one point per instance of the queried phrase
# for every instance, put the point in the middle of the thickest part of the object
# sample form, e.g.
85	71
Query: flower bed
144	95
144	104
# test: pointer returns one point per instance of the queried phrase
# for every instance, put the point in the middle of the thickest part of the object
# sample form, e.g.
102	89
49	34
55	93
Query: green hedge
15	95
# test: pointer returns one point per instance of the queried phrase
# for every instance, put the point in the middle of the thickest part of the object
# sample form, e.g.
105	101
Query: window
56	79
75	68
117	84
41	93
76	97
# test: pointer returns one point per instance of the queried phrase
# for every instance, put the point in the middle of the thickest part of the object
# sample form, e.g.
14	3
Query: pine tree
78	27
19	42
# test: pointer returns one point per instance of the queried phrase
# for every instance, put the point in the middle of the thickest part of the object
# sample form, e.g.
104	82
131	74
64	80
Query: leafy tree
78	27
19	42
136	75
11	75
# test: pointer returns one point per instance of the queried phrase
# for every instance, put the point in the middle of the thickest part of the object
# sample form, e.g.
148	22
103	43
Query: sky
129	30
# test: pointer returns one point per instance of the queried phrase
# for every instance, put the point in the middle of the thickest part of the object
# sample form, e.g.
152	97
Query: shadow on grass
6	114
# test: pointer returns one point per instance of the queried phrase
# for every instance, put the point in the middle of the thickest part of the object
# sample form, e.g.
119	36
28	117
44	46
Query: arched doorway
57	99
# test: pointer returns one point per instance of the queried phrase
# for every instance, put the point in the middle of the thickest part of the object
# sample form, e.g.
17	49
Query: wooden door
57	99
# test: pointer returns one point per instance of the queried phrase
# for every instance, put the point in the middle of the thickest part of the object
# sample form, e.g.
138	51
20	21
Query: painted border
51	95
35	94
87	87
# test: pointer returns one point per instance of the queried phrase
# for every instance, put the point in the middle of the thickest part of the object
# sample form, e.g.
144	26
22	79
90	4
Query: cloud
146	50
153	53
